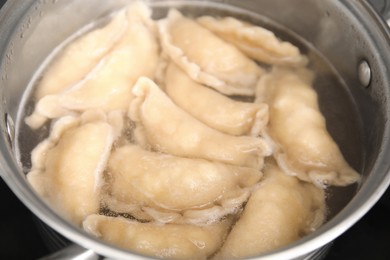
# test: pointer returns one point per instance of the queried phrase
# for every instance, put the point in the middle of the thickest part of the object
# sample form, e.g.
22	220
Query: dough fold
304	147
205	57
164	127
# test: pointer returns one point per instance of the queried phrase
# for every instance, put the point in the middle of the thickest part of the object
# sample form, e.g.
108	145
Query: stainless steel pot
351	35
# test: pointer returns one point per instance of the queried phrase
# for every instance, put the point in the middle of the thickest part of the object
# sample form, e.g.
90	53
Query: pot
347	41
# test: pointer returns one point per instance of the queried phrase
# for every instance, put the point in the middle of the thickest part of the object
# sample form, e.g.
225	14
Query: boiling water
334	99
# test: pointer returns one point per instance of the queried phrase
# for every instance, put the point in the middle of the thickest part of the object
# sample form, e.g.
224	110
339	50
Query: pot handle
382	7
74	252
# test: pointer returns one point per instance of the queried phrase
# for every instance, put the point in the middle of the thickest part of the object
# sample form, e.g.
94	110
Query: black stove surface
367	239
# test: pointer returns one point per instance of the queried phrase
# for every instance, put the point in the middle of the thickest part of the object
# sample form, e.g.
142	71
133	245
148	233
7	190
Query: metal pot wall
350	34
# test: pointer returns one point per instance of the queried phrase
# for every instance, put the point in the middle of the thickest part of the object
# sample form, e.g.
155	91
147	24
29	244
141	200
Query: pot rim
369	193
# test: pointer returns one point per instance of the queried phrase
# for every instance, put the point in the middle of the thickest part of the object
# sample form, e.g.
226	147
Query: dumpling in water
167	182
206	58
108	86
279	212
80	57
305	148
212	108
256	42
167	128
67	166
167	241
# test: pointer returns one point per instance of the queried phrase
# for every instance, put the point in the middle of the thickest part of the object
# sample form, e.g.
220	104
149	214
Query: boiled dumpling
206	58
167	182
145	177
305	148
201	216
279	212
80	57
167	128
212	108
108	86
256	42
171	241
67	167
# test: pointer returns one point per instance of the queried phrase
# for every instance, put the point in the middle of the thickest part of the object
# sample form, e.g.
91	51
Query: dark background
367	239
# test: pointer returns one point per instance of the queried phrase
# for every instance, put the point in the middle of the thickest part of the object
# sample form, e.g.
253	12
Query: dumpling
256	42
67	167
198	216
167	182
212	108
279	212
206	58
108	86
166	128
78	58
167	241
171	182
305	148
